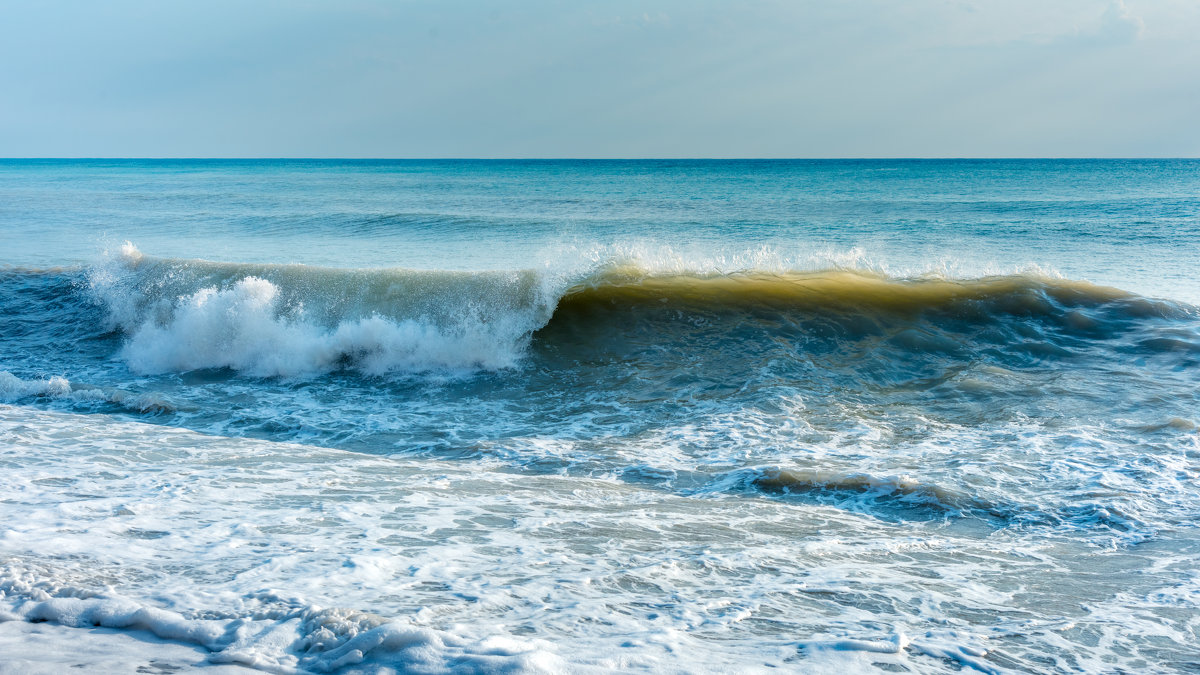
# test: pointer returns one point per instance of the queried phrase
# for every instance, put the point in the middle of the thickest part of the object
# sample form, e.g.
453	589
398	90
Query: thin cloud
1115	26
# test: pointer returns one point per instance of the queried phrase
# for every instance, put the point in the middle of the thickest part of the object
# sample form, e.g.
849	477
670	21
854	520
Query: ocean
600	416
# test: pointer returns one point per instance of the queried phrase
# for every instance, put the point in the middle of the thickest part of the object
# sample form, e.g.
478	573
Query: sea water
592	416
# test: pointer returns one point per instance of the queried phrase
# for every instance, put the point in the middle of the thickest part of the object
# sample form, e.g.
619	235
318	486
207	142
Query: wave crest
295	320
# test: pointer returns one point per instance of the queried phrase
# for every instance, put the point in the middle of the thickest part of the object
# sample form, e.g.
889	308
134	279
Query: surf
290	320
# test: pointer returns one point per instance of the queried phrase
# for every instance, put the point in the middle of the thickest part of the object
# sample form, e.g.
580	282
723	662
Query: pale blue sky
583	78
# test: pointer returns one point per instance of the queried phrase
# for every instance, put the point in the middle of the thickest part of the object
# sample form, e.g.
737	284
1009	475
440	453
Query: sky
590	78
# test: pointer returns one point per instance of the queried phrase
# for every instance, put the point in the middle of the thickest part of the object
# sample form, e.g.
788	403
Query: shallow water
669	416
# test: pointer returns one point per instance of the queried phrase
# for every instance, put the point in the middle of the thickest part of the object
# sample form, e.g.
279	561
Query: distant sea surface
589	416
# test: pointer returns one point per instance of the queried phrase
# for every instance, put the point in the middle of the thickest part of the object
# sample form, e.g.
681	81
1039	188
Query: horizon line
591	159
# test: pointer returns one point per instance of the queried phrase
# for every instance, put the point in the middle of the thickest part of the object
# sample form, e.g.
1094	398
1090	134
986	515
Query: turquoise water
1081	218
614	415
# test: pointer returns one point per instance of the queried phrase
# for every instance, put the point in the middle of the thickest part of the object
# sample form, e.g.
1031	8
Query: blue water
683	416
1079	217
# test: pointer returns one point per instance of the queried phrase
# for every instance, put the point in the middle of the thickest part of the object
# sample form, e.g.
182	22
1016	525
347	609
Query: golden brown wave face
840	290
862	330
857	303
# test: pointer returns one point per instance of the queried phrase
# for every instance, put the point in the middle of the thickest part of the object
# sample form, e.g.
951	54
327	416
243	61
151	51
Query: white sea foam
311	640
52	649
190	315
241	328
13	389
469	566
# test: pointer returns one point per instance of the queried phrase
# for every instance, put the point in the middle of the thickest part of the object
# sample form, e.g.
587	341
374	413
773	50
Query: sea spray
292	320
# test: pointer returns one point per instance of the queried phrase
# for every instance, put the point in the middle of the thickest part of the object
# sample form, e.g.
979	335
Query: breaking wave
293	320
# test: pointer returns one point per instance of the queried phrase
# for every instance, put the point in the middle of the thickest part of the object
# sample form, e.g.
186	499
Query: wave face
1042	316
